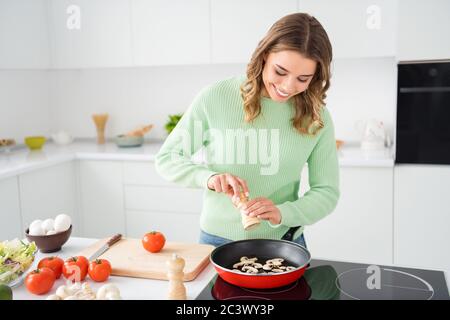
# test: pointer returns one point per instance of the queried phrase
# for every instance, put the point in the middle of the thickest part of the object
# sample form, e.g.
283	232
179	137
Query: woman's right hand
229	184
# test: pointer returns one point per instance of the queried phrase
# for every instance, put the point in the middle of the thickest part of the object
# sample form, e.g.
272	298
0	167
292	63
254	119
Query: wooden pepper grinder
177	290
249	223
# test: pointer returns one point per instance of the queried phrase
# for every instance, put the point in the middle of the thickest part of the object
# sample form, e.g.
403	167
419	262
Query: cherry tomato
53	263
153	241
99	270
40	281
75	268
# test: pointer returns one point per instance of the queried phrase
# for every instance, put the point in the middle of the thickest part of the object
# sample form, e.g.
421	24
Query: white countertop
130	288
353	156
21	161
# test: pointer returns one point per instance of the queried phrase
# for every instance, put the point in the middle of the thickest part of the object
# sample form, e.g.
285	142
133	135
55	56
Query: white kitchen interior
140	61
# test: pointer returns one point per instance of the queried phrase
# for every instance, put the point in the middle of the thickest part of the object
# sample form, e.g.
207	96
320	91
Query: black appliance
423	113
333	280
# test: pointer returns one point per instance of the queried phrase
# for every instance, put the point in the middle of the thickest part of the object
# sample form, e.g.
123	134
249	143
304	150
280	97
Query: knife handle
114	239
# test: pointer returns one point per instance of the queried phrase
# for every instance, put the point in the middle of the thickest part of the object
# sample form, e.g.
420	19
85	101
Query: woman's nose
289	85
286	88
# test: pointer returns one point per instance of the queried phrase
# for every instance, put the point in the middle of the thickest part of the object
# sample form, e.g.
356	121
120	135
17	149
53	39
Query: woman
258	131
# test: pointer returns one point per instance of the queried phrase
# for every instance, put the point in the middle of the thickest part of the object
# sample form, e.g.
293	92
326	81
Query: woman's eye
302	81
278	73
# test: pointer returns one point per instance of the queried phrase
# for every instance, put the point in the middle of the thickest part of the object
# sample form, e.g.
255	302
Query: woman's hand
262	208
227	183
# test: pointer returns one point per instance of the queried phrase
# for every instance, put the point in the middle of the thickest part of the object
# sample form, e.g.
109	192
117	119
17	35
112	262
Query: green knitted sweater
268	153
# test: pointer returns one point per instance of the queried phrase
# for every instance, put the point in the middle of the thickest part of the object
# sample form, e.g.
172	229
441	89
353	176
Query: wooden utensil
129	258
139	132
100	123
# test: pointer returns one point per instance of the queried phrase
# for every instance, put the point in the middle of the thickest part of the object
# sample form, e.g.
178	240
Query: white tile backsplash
24	103
132	96
33	102
362	89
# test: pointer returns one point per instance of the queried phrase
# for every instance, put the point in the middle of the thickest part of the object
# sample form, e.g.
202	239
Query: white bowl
62	138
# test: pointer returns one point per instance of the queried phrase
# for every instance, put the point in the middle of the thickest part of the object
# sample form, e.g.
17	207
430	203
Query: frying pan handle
289	235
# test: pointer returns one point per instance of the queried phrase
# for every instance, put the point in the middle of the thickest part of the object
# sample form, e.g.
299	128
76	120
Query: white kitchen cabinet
153	203
423	30
360	228
422	216
143	173
175	226
103	38
357	28
238	25
47	192
170	32
101	198
11	224
24	41
160	199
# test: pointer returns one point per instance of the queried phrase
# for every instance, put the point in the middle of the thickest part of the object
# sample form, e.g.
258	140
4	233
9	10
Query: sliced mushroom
244	261
267	267
271	266
249	269
276	262
244	258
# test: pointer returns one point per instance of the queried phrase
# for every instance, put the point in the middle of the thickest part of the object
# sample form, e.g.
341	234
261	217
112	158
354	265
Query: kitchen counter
130	288
21	161
147	289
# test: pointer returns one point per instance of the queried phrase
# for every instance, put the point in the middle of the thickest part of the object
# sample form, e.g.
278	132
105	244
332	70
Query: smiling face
285	74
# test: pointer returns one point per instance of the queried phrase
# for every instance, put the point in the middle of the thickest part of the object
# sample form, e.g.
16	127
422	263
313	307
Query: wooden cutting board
128	258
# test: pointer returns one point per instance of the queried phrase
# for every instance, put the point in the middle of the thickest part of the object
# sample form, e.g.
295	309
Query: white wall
39	102
24	104
132	96
361	89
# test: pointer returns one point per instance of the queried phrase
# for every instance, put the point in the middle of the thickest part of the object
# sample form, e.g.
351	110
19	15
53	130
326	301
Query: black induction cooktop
332	280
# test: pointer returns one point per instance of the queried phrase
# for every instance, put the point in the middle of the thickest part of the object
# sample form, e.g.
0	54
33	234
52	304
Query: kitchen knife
105	247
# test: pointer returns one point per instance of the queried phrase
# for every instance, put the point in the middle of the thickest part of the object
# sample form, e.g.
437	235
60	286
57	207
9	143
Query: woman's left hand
262	208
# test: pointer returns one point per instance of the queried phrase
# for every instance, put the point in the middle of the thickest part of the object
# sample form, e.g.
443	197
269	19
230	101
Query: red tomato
53	263
40	281
75	268
99	270
153	241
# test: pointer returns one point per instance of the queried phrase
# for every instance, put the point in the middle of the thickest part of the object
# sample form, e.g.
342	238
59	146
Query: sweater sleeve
174	159
323	169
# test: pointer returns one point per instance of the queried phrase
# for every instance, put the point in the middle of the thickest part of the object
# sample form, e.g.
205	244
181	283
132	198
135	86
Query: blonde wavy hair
302	33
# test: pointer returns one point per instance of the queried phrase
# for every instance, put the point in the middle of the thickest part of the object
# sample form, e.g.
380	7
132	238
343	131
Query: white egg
36	230
62	222
48	225
50	232
35	223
